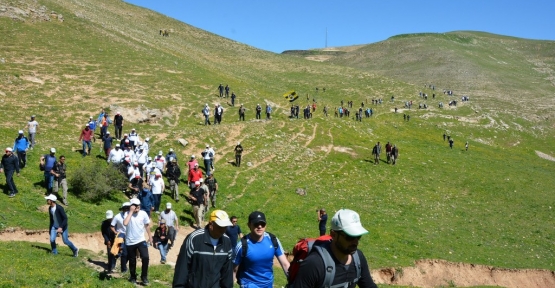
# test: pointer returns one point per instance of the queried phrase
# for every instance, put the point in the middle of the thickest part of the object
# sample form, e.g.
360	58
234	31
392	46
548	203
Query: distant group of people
391	151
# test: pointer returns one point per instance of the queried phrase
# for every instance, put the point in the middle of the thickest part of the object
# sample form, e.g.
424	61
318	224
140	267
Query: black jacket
107	233
60	215
199	265
10	163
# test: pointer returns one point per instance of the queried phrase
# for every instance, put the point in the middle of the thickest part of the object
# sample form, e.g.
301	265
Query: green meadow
490	205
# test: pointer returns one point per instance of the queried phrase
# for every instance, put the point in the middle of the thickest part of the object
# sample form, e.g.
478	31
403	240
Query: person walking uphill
338	263
58	224
8	166
238	151
109	237
33	127
118	124
59	172
204	260
86	136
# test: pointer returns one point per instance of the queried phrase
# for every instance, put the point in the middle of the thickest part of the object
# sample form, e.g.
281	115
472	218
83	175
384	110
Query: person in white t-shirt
157	187
171	221
33	127
136	223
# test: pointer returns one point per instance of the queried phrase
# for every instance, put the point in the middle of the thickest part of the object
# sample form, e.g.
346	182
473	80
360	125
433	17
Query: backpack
244	249
305	246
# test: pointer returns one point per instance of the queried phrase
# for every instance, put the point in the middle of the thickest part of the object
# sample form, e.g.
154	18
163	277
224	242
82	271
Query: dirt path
425	273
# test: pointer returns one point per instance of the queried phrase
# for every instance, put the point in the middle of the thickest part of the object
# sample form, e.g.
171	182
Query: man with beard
350	269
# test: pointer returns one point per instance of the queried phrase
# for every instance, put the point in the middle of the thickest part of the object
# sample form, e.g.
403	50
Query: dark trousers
322	232
9	181
241	117
111	259
132	255
22	155
238	160
157	200
257	114
118	131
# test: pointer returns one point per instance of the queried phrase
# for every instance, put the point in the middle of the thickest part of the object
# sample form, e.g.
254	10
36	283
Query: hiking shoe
132	280
123	271
65	202
11	195
76	252
145	281
162	262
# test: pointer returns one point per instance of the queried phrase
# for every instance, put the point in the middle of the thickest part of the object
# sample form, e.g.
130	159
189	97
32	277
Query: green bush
95	181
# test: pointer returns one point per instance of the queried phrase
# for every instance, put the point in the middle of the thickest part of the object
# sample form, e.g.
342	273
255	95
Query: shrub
95	181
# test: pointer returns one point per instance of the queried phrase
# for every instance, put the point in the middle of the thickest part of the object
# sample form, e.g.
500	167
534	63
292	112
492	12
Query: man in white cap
170	154
8	166
160	161
133	139
146	145
118	124
21	146
58	225
206	114
109	236
119	230
157	187
208	156
198	198
33	128
116	155
350	267
206	252
136	223
172	221
107	144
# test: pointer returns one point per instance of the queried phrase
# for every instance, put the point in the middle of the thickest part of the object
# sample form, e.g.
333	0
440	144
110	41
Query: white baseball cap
169	205
135	201
52	150
20	131
51	197
109	214
348	221
201	180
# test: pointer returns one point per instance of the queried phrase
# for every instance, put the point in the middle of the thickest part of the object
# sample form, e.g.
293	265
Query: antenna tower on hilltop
326	37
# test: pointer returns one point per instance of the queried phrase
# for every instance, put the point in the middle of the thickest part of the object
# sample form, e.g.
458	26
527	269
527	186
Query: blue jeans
207	165
48	180
163	250
65	238
86	144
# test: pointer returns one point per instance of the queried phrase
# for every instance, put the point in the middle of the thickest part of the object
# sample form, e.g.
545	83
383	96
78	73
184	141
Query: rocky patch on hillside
24	11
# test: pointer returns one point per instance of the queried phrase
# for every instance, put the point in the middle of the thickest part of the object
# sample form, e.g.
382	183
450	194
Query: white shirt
157	185
116	155
208	150
141	156
169	217
33	126
117	222
160	161
129	154
146	147
133	137
136	228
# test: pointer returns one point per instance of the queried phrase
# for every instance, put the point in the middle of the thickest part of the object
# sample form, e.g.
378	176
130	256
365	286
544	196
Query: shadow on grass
48	250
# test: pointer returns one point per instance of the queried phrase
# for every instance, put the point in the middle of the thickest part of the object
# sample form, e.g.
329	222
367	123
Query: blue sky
286	25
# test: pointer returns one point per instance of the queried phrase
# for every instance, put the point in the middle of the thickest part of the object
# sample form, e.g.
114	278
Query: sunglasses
261	224
347	237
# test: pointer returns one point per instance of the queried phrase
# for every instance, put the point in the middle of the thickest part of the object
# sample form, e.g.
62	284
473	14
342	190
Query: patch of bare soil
436	273
141	114
545	156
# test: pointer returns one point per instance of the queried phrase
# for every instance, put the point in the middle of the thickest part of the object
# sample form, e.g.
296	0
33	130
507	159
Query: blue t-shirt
233	233
257	265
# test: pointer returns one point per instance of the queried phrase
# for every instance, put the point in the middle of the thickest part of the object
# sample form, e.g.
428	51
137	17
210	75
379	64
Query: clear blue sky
286	25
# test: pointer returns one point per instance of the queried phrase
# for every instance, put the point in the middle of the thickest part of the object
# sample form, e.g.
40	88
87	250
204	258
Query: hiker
376	152
144	194
233	232
233	96
221	89
191	163
161	239
198	200
204	259
206	114
388	152
466	145
258	111
238	151
59	172
107	144
8	166
208	157
119	230
160	161
194	175
444	136
157	186
136	223
226	90
118	124
92	126
394	154
47	164
268	111
116	156
21	146
255	253
212	185
350	265
33	130
451	141
85	137
109	236
242	113
58	225
173	173
133	139
171	221
322	220
170	154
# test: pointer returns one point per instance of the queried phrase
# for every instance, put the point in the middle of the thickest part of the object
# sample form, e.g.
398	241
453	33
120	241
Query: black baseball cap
257	217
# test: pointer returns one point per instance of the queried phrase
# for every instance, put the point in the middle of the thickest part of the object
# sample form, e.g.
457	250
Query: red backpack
301	250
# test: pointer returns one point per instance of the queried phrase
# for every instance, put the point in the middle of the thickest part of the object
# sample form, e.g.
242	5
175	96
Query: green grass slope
489	205
510	73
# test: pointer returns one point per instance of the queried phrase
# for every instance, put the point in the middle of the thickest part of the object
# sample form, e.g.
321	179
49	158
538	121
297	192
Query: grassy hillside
489	205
